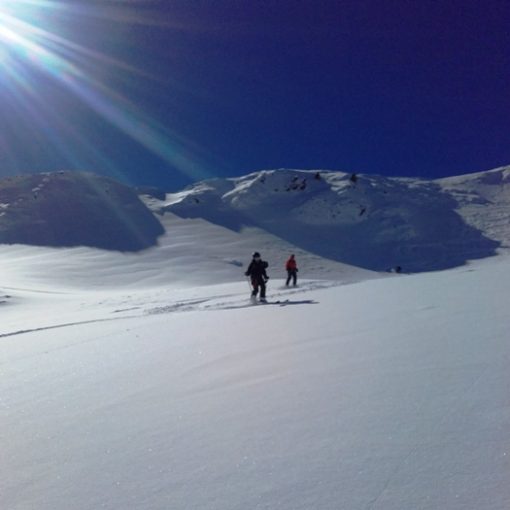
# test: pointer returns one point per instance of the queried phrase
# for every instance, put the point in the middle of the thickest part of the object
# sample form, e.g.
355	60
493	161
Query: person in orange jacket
291	267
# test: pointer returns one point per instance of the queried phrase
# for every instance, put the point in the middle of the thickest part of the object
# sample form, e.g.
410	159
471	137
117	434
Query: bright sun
13	14
26	43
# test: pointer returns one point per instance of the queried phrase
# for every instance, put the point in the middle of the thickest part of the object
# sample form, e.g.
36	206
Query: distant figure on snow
257	271
291	267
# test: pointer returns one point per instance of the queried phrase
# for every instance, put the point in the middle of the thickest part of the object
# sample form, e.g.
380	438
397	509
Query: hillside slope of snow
383	394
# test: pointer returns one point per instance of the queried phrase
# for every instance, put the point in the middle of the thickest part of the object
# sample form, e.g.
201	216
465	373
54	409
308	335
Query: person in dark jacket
257	272
291	267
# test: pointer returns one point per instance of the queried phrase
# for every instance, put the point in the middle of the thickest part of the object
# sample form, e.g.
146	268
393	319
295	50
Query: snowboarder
291	267
257	271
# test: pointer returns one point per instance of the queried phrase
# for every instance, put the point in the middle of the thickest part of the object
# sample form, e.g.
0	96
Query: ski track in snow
282	297
241	301
63	325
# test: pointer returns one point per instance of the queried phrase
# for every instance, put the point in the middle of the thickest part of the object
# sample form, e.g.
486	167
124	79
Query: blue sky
168	92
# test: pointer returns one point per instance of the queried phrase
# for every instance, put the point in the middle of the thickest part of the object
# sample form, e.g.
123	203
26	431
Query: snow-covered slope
483	200
382	395
367	221
74	209
147	380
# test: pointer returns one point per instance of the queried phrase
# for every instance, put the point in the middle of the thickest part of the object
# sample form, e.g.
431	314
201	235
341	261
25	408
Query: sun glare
27	44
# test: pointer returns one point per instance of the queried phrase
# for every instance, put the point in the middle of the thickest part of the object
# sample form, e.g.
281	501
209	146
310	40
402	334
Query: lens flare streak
71	65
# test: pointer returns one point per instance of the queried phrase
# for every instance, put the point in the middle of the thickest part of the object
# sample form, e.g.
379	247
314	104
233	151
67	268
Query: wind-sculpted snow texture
368	221
74	209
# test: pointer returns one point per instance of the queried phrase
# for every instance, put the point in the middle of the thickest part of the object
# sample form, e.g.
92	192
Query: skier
291	267
257	271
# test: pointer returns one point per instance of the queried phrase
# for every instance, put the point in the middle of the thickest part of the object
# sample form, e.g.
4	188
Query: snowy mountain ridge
369	221
350	196
332	220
